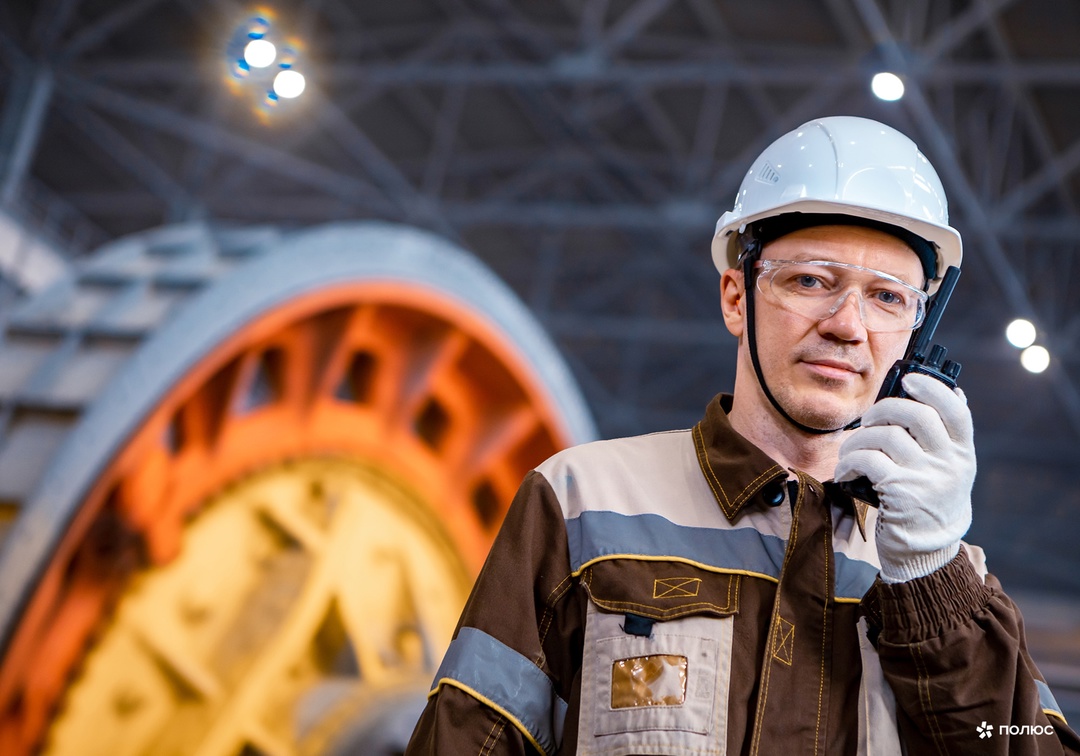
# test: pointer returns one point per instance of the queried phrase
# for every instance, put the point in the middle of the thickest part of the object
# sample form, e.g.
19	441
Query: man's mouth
833	368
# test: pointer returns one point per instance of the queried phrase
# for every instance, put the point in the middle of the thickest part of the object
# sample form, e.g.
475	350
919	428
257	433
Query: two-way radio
919	358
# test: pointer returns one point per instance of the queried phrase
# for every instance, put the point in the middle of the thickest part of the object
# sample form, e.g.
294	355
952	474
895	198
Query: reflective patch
1047	701
513	685
593	536
658	680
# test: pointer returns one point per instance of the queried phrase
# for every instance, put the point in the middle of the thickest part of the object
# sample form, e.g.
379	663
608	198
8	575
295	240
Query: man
714	590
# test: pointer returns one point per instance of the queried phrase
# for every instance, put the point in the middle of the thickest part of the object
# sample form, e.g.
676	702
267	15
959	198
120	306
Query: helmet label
768	174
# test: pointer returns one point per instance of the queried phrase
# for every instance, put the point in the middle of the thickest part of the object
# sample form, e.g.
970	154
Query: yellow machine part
314	578
273	557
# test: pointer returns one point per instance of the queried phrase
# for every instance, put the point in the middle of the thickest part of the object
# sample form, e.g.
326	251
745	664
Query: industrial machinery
246	480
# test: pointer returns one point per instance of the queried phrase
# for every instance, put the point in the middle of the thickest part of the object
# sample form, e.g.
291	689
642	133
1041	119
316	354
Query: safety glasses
818	289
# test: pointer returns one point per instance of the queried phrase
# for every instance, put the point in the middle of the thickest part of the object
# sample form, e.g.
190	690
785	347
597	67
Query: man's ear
733	301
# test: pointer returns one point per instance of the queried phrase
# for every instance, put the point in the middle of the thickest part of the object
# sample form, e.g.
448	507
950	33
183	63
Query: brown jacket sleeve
952	648
523	607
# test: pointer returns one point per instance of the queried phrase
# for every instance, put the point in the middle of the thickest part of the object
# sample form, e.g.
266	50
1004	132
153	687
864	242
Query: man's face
826	373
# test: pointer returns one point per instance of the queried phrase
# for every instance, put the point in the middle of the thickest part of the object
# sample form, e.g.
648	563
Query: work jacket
681	593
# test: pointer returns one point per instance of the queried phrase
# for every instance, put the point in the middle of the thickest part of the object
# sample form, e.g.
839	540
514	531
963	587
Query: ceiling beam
20	125
348	188
137	163
91	36
564	70
948	36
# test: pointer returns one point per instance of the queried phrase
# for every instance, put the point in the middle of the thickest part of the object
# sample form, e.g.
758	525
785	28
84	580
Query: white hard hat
843	165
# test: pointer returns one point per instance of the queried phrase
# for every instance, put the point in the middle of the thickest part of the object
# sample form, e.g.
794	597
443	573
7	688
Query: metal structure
583	149
252	476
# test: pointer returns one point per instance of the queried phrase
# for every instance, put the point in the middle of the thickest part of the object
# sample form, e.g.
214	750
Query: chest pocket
657	659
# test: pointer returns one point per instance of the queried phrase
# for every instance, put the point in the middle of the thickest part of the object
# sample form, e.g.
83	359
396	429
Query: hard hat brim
945	239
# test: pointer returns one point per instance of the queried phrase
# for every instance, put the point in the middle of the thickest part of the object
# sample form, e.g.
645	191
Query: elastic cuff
927	607
918	565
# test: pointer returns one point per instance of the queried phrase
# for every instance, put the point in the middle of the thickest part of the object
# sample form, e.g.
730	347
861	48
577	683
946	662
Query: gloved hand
920	456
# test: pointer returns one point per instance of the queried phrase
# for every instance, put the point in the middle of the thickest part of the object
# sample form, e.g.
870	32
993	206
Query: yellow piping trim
1053	713
707	567
488	702
681	560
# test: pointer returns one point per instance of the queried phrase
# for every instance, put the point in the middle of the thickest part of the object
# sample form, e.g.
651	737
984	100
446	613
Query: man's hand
921	459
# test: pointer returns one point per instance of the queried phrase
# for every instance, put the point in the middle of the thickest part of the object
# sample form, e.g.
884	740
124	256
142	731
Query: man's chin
827	424
829	415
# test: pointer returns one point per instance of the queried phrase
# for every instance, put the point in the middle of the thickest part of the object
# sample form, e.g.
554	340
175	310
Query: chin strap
750	257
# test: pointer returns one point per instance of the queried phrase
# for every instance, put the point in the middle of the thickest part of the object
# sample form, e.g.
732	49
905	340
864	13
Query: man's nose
845	318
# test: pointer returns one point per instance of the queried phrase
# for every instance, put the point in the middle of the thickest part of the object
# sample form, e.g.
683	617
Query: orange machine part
396	375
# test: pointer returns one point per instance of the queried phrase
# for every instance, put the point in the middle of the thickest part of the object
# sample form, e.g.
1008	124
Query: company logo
987	730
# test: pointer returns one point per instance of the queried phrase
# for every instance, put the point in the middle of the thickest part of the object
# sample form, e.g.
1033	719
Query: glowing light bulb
887	86
260	53
1035	359
289	83
1020	333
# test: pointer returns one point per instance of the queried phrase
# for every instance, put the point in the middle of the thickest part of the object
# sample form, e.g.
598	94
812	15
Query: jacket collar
734	468
737	471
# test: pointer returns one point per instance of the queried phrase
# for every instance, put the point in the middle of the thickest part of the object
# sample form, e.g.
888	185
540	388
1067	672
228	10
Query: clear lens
818	288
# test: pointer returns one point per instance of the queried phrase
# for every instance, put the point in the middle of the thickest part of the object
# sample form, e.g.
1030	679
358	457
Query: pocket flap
660	590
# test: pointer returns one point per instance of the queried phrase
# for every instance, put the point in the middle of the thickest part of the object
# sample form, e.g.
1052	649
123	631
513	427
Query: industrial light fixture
264	63
289	84
1020	333
887	86
1035	359
260	53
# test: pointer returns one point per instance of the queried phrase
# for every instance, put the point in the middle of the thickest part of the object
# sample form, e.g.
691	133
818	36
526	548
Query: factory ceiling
584	149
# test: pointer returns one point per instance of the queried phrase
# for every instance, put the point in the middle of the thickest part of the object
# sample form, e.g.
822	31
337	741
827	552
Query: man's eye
890	298
807	281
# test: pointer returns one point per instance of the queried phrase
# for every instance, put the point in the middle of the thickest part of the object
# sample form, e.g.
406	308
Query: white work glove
920	456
